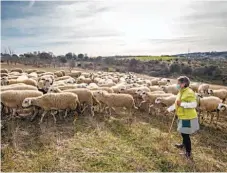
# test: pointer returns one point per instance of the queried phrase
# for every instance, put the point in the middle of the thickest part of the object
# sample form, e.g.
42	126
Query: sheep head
222	107
158	100
27	102
210	92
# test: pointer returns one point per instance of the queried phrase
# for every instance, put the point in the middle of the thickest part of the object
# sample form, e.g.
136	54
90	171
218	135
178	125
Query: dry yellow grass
115	144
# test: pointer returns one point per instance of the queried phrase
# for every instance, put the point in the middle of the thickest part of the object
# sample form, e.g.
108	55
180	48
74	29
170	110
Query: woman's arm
171	108
188	105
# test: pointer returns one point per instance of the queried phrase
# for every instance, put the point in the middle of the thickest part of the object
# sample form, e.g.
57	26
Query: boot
187	155
180	146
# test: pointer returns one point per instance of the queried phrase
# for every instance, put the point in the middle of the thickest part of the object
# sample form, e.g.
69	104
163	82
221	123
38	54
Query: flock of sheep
34	92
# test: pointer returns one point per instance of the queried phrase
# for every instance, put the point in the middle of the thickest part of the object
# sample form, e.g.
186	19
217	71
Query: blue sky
114	27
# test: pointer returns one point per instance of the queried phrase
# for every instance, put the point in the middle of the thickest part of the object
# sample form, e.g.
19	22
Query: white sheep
149	97
63	78
211	104
19	86
195	86
85	96
220	93
113	100
82	79
155	81
19	70
25	81
13	98
30	71
170	89
4	71
53	101
166	101
203	88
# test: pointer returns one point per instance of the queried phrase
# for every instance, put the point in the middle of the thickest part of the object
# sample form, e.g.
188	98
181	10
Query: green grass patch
150	58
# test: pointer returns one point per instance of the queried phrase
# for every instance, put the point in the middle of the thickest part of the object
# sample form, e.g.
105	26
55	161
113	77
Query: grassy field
120	143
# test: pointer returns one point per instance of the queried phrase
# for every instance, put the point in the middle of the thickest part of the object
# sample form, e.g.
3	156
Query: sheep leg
36	111
218	114
212	117
92	111
84	109
66	113
130	112
52	113
42	116
141	103
14	112
149	108
110	112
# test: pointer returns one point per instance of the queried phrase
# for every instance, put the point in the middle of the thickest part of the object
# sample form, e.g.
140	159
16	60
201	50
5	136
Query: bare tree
72	64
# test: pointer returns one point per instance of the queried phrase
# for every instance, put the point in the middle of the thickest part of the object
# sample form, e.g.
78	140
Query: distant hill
200	55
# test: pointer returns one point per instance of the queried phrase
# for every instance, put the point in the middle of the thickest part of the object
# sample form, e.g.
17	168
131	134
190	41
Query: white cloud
114	27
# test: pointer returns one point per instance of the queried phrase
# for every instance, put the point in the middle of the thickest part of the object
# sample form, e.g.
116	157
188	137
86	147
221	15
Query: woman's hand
178	102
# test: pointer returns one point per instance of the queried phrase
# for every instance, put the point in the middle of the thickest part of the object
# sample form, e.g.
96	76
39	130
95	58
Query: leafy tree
69	55
80	56
187	70
45	56
175	68
62	59
86	58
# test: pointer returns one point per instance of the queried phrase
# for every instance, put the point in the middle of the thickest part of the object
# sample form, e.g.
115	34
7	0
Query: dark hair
185	80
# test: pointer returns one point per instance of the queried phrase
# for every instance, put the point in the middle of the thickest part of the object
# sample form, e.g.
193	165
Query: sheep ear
30	101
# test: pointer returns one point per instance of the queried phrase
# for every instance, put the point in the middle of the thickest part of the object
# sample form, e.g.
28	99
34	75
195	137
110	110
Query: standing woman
185	105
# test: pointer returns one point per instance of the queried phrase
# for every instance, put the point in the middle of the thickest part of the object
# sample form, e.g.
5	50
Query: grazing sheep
53	101
66	87
93	86
44	83
30	71
19	70
4	71
109	90
75	74
63	78
82	79
211	104
194	86
40	71
58	73
4	80
86	75
163	81
166	101
19	86
33	75
155	81
149	97
25	81
118	87
113	100
46	73
63	72
155	88
220	93
170	89
14	73
203	89
134	91
4	74
13	98
85	96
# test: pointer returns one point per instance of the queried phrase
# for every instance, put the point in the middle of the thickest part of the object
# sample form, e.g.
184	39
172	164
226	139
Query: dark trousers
186	142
